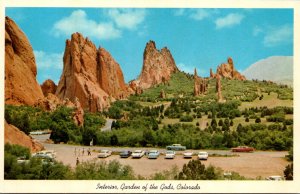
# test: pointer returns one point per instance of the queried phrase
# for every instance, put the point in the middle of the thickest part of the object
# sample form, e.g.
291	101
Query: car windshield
137	151
202	153
152	152
170	152
104	151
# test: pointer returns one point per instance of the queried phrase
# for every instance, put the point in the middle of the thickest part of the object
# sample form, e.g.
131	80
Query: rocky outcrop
21	86
162	94
52	102
48	87
200	84
78	116
211	74
158	66
227	70
91	75
13	135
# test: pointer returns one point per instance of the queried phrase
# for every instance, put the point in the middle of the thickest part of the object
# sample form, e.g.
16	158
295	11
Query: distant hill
278	69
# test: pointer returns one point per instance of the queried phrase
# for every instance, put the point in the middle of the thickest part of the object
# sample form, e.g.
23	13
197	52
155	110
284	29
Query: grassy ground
269	101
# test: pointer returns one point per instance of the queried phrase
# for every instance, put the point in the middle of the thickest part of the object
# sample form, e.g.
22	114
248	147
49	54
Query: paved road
107	126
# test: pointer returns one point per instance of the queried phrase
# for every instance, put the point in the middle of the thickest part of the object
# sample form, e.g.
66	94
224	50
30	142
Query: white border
206	186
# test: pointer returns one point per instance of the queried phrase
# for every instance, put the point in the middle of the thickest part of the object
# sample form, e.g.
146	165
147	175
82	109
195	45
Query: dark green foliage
103	171
257	120
288	172
194	170
186	118
34	168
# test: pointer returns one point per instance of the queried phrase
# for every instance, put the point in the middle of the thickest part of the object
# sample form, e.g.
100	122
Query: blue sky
197	38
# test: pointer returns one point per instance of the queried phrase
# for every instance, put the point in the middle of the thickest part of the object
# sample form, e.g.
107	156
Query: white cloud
199	14
229	20
186	68
278	35
127	18
79	22
179	12
196	14
257	30
48	60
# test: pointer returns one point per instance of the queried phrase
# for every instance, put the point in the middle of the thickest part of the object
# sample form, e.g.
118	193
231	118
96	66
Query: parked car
176	147
153	154
170	154
242	149
138	154
125	154
104	154
275	178
202	155
188	154
45	154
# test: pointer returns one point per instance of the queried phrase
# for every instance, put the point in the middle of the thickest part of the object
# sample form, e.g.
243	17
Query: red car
242	149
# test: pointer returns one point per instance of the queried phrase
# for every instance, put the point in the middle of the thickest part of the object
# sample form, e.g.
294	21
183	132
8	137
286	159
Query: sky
197	38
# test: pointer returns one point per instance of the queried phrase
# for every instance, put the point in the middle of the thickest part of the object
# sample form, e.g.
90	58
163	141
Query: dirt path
251	165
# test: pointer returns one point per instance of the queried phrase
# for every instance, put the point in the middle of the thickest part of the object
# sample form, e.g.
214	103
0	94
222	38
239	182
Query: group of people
80	152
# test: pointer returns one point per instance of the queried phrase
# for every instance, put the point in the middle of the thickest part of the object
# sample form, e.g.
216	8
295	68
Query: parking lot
251	165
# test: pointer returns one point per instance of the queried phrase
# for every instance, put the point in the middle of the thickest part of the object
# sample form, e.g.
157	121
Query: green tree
288	172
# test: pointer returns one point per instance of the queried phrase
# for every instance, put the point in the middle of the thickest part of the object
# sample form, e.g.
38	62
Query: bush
186	118
194	170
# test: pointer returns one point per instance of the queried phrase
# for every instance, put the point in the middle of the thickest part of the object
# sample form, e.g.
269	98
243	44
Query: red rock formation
48	87
13	135
211	74
91	75
21	86
200	84
228	71
110	76
158	67
78	114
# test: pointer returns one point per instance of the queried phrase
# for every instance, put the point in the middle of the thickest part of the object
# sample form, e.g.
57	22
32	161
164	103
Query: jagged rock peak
158	66
227	70
91	75
21	86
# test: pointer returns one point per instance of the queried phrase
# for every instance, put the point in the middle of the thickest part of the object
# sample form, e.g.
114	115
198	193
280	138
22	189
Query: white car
188	154
202	155
153	154
50	154
138	154
275	178
104	153
170	154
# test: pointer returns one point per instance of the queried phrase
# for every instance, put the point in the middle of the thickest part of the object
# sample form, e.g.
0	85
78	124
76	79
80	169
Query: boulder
48	87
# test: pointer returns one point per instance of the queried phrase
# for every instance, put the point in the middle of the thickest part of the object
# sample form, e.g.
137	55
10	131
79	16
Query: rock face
91	75
13	135
78	114
110	76
227	70
158	67
48	87
200	84
52	102
21	86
